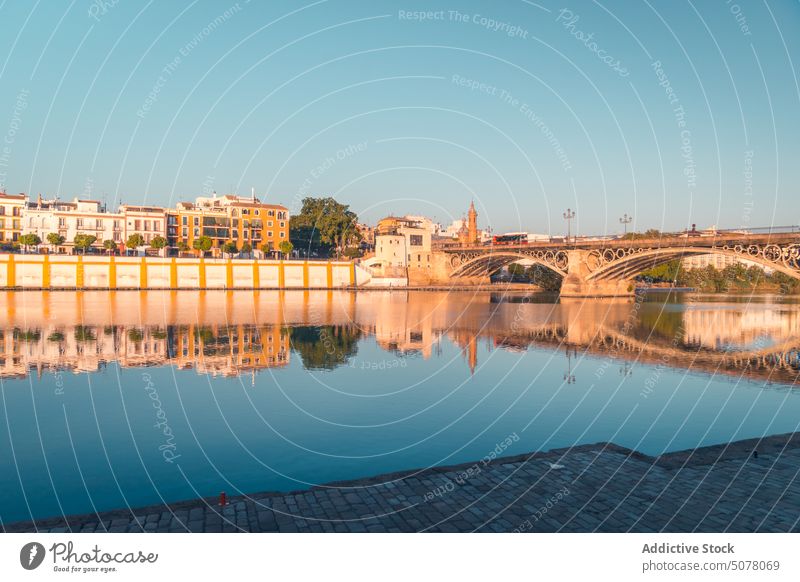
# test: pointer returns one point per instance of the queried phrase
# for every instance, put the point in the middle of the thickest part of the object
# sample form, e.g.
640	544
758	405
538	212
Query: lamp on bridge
568	216
625	221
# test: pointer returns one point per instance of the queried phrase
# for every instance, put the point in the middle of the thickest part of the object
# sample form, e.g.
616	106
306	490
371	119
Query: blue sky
527	108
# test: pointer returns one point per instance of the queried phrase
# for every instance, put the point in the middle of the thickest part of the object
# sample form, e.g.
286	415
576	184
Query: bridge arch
484	264
635	261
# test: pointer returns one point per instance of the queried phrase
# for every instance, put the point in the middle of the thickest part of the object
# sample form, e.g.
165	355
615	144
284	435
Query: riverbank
744	486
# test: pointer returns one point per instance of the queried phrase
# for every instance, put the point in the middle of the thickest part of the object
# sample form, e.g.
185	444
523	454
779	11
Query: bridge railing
637	239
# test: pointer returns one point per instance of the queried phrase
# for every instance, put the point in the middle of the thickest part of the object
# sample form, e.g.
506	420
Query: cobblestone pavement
588	488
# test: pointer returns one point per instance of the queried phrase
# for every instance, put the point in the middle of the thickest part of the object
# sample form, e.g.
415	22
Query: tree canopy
158	242
285	247
55	239
83	241
323	226
30	240
203	244
134	241
230	247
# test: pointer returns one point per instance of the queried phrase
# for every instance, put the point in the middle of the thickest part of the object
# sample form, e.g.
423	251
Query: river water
114	399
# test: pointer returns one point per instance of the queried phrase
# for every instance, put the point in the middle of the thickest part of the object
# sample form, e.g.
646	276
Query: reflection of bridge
597	268
778	362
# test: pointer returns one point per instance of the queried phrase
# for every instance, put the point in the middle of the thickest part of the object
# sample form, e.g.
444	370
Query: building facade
403	242
12	207
69	219
149	221
247	222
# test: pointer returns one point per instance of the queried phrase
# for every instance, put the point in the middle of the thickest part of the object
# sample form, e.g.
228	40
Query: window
283	234
147	225
197	221
79	223
196	232
269	233
137	225
62	222
184	220
415	240
185	232
16	211
156	225
258	212
269	223
2	210
283	225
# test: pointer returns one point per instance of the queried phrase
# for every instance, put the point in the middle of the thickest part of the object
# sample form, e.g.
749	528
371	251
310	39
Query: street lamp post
625	221
568	216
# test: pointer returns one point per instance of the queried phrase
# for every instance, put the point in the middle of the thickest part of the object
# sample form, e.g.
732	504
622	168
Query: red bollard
223	499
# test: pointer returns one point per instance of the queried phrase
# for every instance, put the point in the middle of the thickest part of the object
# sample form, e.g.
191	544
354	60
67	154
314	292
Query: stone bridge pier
579	282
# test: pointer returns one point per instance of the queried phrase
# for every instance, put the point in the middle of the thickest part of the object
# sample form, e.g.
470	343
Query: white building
149	221
717	261
403	242
71	218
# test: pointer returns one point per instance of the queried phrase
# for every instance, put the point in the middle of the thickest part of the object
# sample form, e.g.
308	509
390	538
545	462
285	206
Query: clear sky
672	112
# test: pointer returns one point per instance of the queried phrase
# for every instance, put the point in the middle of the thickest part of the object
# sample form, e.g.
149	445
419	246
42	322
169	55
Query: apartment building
11	210
149	221
71	218
228	218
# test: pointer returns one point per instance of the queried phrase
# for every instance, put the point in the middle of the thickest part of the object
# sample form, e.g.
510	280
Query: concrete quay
745	486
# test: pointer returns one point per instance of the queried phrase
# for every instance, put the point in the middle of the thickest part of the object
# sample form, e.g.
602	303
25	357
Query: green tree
247	248
55	239
183	246
83	241
266	248
30	240
202	244
230	248
110	245
324	225
134	241
158	242
285	248
517	272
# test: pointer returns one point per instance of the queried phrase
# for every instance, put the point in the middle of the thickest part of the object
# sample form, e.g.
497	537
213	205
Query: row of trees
737	277
202	244
83	241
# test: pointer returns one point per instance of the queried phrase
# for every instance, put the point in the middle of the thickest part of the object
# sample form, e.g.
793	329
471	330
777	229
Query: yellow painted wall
99	272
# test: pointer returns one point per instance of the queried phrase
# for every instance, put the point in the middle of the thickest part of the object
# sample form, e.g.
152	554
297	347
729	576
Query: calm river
127	399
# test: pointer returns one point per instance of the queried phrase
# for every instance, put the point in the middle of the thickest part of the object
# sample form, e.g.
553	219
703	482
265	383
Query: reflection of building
723	329
229	351
216	350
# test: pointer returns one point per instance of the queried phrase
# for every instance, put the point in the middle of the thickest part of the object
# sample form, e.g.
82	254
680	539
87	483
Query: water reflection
231	333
